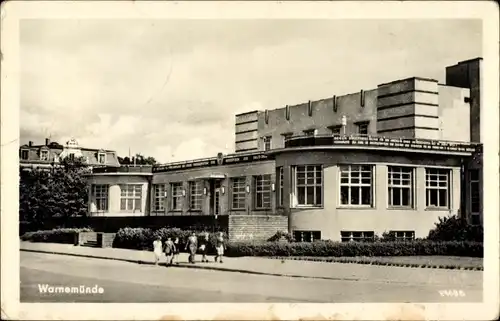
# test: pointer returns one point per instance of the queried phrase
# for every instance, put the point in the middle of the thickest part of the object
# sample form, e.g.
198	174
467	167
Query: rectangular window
363	128
400	186
102	158
44	155
308	185
306	236
195	195
285	137
310	132
131	197
24	154
475	198
401	236
159	193
176	191
267	143
437	185
335	130
356	185
353	236
100	194
280	186
238	201
262	192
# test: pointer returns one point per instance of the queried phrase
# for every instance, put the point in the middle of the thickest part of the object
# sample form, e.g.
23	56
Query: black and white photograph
250	153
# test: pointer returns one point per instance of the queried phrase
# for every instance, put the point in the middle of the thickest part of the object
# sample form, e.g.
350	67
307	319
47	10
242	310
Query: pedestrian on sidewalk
220	247
177	250
205	240
192	245
157	249
169	250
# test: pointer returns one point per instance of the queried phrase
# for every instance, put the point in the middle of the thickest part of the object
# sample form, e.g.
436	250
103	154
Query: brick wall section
255	227
107	239
103	239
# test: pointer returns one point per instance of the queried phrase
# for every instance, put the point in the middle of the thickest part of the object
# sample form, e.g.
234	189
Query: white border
12	12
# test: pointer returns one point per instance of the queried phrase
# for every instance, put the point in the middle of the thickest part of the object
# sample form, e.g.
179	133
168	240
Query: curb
368	262
197	266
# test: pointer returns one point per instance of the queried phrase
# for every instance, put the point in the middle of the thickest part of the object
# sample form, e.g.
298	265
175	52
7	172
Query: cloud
170	88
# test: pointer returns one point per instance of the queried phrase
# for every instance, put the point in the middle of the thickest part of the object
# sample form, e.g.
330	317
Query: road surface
123	282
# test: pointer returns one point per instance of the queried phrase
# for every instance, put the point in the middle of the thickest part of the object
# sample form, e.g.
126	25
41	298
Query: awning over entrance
212	176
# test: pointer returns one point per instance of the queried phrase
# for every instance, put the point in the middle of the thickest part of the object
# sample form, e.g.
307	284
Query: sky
170	88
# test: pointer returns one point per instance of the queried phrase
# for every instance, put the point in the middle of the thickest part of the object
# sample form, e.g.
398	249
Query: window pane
355	193
396	197
301	195
433	198
344	195
318	196
406	197
443	198
366	195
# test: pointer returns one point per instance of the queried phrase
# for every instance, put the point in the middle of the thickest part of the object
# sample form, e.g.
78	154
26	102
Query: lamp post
344	124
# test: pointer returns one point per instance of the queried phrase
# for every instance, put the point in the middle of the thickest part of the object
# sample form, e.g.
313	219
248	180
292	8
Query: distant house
50	154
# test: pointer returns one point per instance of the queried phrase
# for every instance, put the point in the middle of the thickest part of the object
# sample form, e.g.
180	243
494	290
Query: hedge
351	249
142	238
60	235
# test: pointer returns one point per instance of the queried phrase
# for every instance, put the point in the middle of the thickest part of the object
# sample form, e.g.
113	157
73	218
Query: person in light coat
157	249
220	246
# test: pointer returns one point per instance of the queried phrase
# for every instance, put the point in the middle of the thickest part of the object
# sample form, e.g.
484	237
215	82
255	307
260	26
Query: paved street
129	282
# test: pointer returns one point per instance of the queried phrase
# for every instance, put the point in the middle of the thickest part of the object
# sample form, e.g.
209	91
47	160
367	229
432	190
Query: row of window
130	197
262	185
362	129
44	156
356	186
353	236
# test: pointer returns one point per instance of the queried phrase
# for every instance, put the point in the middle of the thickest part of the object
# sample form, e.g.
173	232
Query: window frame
136	199
294	202
359	185
103	197
363	124
285	137
334	128
24	151
428	188
260	189
281	186
159	201
99	158
306	235
240	193
176	203
267	143
44	155
404	238
352	238
475	216
391	186
195	195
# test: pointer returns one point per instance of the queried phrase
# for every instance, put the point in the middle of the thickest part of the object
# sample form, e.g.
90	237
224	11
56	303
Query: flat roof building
390	159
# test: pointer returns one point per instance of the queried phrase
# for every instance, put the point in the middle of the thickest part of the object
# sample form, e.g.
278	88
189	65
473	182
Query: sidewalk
265	266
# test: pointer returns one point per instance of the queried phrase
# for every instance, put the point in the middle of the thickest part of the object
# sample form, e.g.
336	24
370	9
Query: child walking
177	250
157	249
169	251
204	246
220	247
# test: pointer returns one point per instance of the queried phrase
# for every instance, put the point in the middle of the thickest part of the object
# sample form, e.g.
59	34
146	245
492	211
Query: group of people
193	245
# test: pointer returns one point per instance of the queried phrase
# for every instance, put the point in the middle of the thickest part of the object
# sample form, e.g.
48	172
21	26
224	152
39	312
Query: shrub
455	228
281	235
351	249
60	235
142	238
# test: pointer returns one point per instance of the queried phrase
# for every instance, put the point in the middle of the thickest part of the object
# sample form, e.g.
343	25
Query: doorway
215	197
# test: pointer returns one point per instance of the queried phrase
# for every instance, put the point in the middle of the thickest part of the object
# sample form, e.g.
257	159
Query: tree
139	160
58	192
